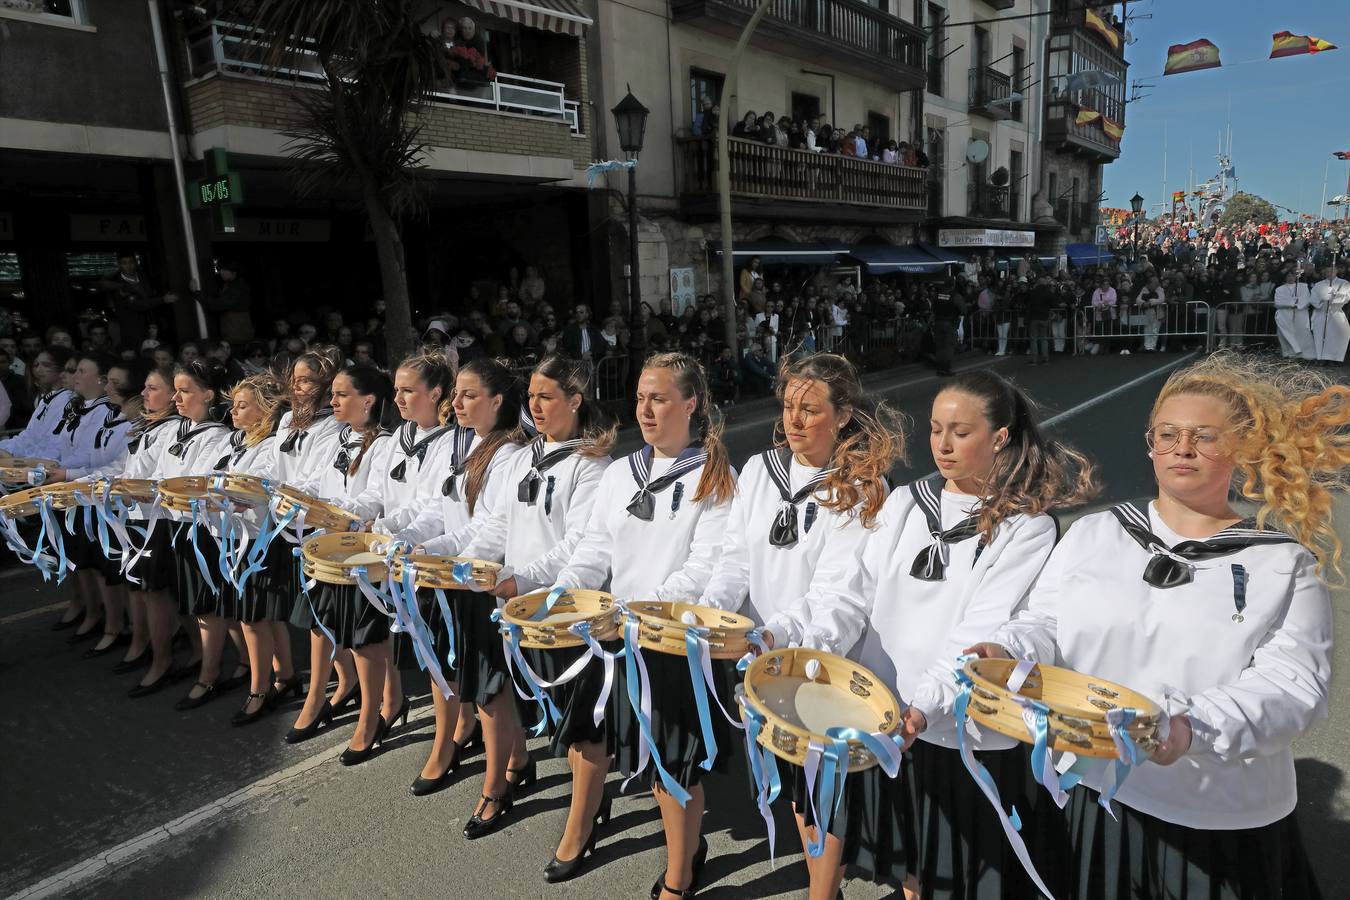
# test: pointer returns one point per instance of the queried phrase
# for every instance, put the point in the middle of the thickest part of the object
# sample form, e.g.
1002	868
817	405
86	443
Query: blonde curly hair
269	395
1291	442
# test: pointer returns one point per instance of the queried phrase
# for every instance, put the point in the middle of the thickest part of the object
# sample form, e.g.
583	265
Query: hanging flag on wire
1342	154
1284	44
1192	57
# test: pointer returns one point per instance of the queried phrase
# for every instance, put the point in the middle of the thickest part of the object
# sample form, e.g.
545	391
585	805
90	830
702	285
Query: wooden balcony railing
779	173
1061	127
988	201
989	92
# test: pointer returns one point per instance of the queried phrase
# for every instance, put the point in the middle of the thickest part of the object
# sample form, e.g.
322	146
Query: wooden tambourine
550	632
798	709
662	627
245	490
128	490
178	494
69	494
318	513
18	469
1077	705
21	503
439	571
332	558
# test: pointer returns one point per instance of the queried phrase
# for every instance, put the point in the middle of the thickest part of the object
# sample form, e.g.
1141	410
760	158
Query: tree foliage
1242	208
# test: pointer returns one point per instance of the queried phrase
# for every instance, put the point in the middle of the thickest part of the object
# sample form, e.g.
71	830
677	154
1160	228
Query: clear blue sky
1288	115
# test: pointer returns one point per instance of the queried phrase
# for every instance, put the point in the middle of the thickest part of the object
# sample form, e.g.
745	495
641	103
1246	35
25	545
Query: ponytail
594	426
369	381
433	369
717	481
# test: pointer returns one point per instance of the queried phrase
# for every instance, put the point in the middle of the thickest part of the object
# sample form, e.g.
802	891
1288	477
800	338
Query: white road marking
1115	391
30	613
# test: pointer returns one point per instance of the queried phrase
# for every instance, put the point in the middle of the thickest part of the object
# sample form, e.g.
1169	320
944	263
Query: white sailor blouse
415	470
1233	631
108	448
783	551
301	452
441	523
647	537
929	587
39	437
193	449
550	491
329	479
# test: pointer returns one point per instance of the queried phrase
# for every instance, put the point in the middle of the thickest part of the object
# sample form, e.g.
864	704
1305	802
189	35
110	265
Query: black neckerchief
643	504
232	456
528	489
343	461
408	443
931	563
1170	567
295	441
459	455
75	411
110	423
186	432
778	463
134	446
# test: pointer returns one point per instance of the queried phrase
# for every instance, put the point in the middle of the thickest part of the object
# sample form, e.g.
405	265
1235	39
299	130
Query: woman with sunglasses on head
264	604
343	620
486	404
655	533
802	512
551	486
953	557
1224	619
201	397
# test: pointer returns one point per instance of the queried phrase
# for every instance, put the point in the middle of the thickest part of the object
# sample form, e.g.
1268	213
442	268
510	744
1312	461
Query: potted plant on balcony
468	57
999	178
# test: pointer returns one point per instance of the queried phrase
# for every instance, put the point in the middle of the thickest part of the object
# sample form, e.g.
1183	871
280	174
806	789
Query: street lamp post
630	120
1137	205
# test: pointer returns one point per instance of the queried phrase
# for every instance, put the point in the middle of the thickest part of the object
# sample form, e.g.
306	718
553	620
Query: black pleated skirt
577	698
405	657
1137	855
480	654
676	734
87	553
156	570
952	841
350	618
195	597
302	603
269	593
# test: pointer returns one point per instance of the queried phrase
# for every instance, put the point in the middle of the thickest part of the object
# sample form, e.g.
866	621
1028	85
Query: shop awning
942	254
885	259
562	16
1088	255
786	253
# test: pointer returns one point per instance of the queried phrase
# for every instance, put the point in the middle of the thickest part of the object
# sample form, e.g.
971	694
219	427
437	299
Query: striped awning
562	16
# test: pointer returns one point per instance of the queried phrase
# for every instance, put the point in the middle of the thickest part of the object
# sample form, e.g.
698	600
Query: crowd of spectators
813	134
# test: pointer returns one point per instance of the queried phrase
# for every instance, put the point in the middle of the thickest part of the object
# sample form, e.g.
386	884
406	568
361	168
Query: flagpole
1322	210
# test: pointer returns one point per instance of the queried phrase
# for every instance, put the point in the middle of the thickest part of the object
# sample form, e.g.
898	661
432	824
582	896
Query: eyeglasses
1209	442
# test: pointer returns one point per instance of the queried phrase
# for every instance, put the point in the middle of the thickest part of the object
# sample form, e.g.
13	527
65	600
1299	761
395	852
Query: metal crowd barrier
1244	324
1111	329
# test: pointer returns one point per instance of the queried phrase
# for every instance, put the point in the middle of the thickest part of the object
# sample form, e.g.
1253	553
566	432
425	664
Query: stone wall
1089	175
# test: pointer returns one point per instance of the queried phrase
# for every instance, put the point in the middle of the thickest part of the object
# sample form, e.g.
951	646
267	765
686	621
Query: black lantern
1136	203
630	119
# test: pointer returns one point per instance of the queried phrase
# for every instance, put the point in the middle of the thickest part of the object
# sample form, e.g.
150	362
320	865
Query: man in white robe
1331	331
1291	317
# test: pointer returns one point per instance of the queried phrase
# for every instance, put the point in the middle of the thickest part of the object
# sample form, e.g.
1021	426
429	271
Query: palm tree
363	132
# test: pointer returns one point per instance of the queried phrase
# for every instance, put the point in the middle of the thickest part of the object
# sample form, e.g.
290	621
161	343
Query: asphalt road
106	797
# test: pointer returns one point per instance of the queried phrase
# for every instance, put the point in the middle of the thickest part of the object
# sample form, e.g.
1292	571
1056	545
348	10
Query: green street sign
220	191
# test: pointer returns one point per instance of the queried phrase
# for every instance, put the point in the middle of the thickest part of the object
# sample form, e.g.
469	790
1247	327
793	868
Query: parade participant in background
534	533
200	395
1330	329
952	557
265	602
37	438
655	533
797	525
343	618
487	409
1292	300
1225	620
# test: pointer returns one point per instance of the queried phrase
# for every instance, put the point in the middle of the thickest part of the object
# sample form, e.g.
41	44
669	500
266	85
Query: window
981	52
1015	185
1019	62
880	126
703	84
65	12
805	107
937	167
936	43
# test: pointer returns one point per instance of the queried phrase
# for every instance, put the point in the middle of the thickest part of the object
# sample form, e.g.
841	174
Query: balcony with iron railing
232	48
844	35
987	201
990	93
1063	131
1073	14
761	172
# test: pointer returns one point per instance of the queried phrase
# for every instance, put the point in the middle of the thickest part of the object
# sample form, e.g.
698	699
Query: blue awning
942	254
885	259
1088	255
786	253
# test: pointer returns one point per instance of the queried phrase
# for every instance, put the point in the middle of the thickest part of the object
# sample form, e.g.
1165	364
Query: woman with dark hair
487	405
1226	620
952	558
36	439
201	395
534	533
682	472
342	619
802	512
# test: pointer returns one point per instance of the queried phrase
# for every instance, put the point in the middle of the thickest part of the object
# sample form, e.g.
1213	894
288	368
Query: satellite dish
977	151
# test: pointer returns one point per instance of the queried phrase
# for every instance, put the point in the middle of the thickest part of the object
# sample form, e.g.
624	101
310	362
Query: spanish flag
1286	44
1086	116
1192	57
1113	129
1178	197
1094	20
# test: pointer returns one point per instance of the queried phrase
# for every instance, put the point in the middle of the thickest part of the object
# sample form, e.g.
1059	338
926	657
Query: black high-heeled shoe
281	689
154	687
299	735
117	641
191	702
528	776
385	727
473	743
350	699
63	624
700	857
478	827
80	638
566	869
354	757
243	717
186	670
424	786
131	665
239	679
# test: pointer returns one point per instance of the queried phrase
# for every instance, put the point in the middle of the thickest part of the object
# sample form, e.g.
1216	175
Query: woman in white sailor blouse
797	525
655	533
1222	619
551	485
37	439
264	604
951	559
342	617
201	396
475	485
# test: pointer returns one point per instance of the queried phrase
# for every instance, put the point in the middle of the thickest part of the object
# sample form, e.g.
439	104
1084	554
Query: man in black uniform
948	307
